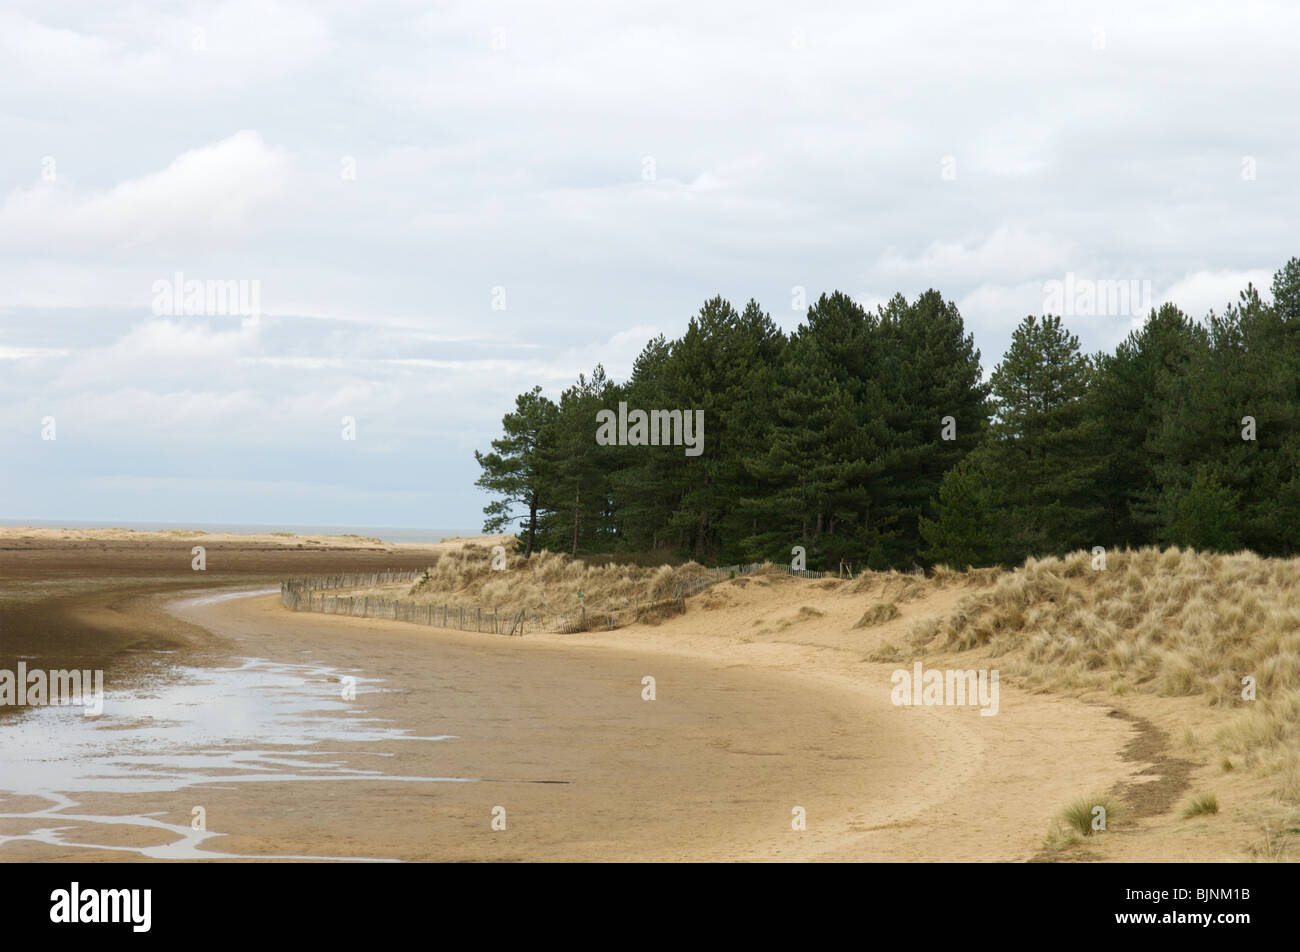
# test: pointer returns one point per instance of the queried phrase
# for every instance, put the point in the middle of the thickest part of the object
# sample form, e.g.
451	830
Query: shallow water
254	721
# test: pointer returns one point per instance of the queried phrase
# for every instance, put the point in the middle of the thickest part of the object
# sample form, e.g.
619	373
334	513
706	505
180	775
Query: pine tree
1125	405
1235	416
966	529
810	470
513	469
1206	516
932	390
644	484
839	426
1043	442
577	470
719	366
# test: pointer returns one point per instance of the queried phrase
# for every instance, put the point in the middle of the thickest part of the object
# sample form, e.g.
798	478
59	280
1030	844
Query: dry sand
764	704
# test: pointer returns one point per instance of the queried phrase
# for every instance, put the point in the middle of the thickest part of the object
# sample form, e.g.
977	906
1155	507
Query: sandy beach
765	706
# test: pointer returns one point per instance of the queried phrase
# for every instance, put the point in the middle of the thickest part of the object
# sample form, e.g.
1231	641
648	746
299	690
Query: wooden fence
319	594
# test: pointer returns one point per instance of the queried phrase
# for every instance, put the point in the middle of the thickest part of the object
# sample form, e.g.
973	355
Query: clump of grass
1288	781
1273	847
1075	822
899	586
922	632
805	613
1201	805
884	654
878	614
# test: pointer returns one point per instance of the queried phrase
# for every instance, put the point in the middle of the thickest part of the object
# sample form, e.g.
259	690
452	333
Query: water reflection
254	722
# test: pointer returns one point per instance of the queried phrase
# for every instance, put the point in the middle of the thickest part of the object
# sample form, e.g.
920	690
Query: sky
404	214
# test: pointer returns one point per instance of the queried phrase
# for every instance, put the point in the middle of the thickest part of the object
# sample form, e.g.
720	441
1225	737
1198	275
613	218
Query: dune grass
1081	818
878	614
1201	804
1089	815
549	582
1168	622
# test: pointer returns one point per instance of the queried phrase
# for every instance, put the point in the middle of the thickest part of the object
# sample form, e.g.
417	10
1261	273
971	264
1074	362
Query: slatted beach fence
321	594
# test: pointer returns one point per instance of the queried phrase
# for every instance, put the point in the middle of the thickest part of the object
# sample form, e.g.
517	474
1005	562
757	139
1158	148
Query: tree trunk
577	499
532	525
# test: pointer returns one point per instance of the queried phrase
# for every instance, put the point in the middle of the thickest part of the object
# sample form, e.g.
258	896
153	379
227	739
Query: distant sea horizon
386	533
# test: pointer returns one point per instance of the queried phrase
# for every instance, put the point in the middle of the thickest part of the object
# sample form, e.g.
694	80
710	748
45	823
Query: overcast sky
441	205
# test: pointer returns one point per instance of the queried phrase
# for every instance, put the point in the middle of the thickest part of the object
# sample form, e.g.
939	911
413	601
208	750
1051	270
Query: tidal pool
254	721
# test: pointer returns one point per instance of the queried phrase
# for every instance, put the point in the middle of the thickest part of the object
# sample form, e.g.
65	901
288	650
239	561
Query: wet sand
710	769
